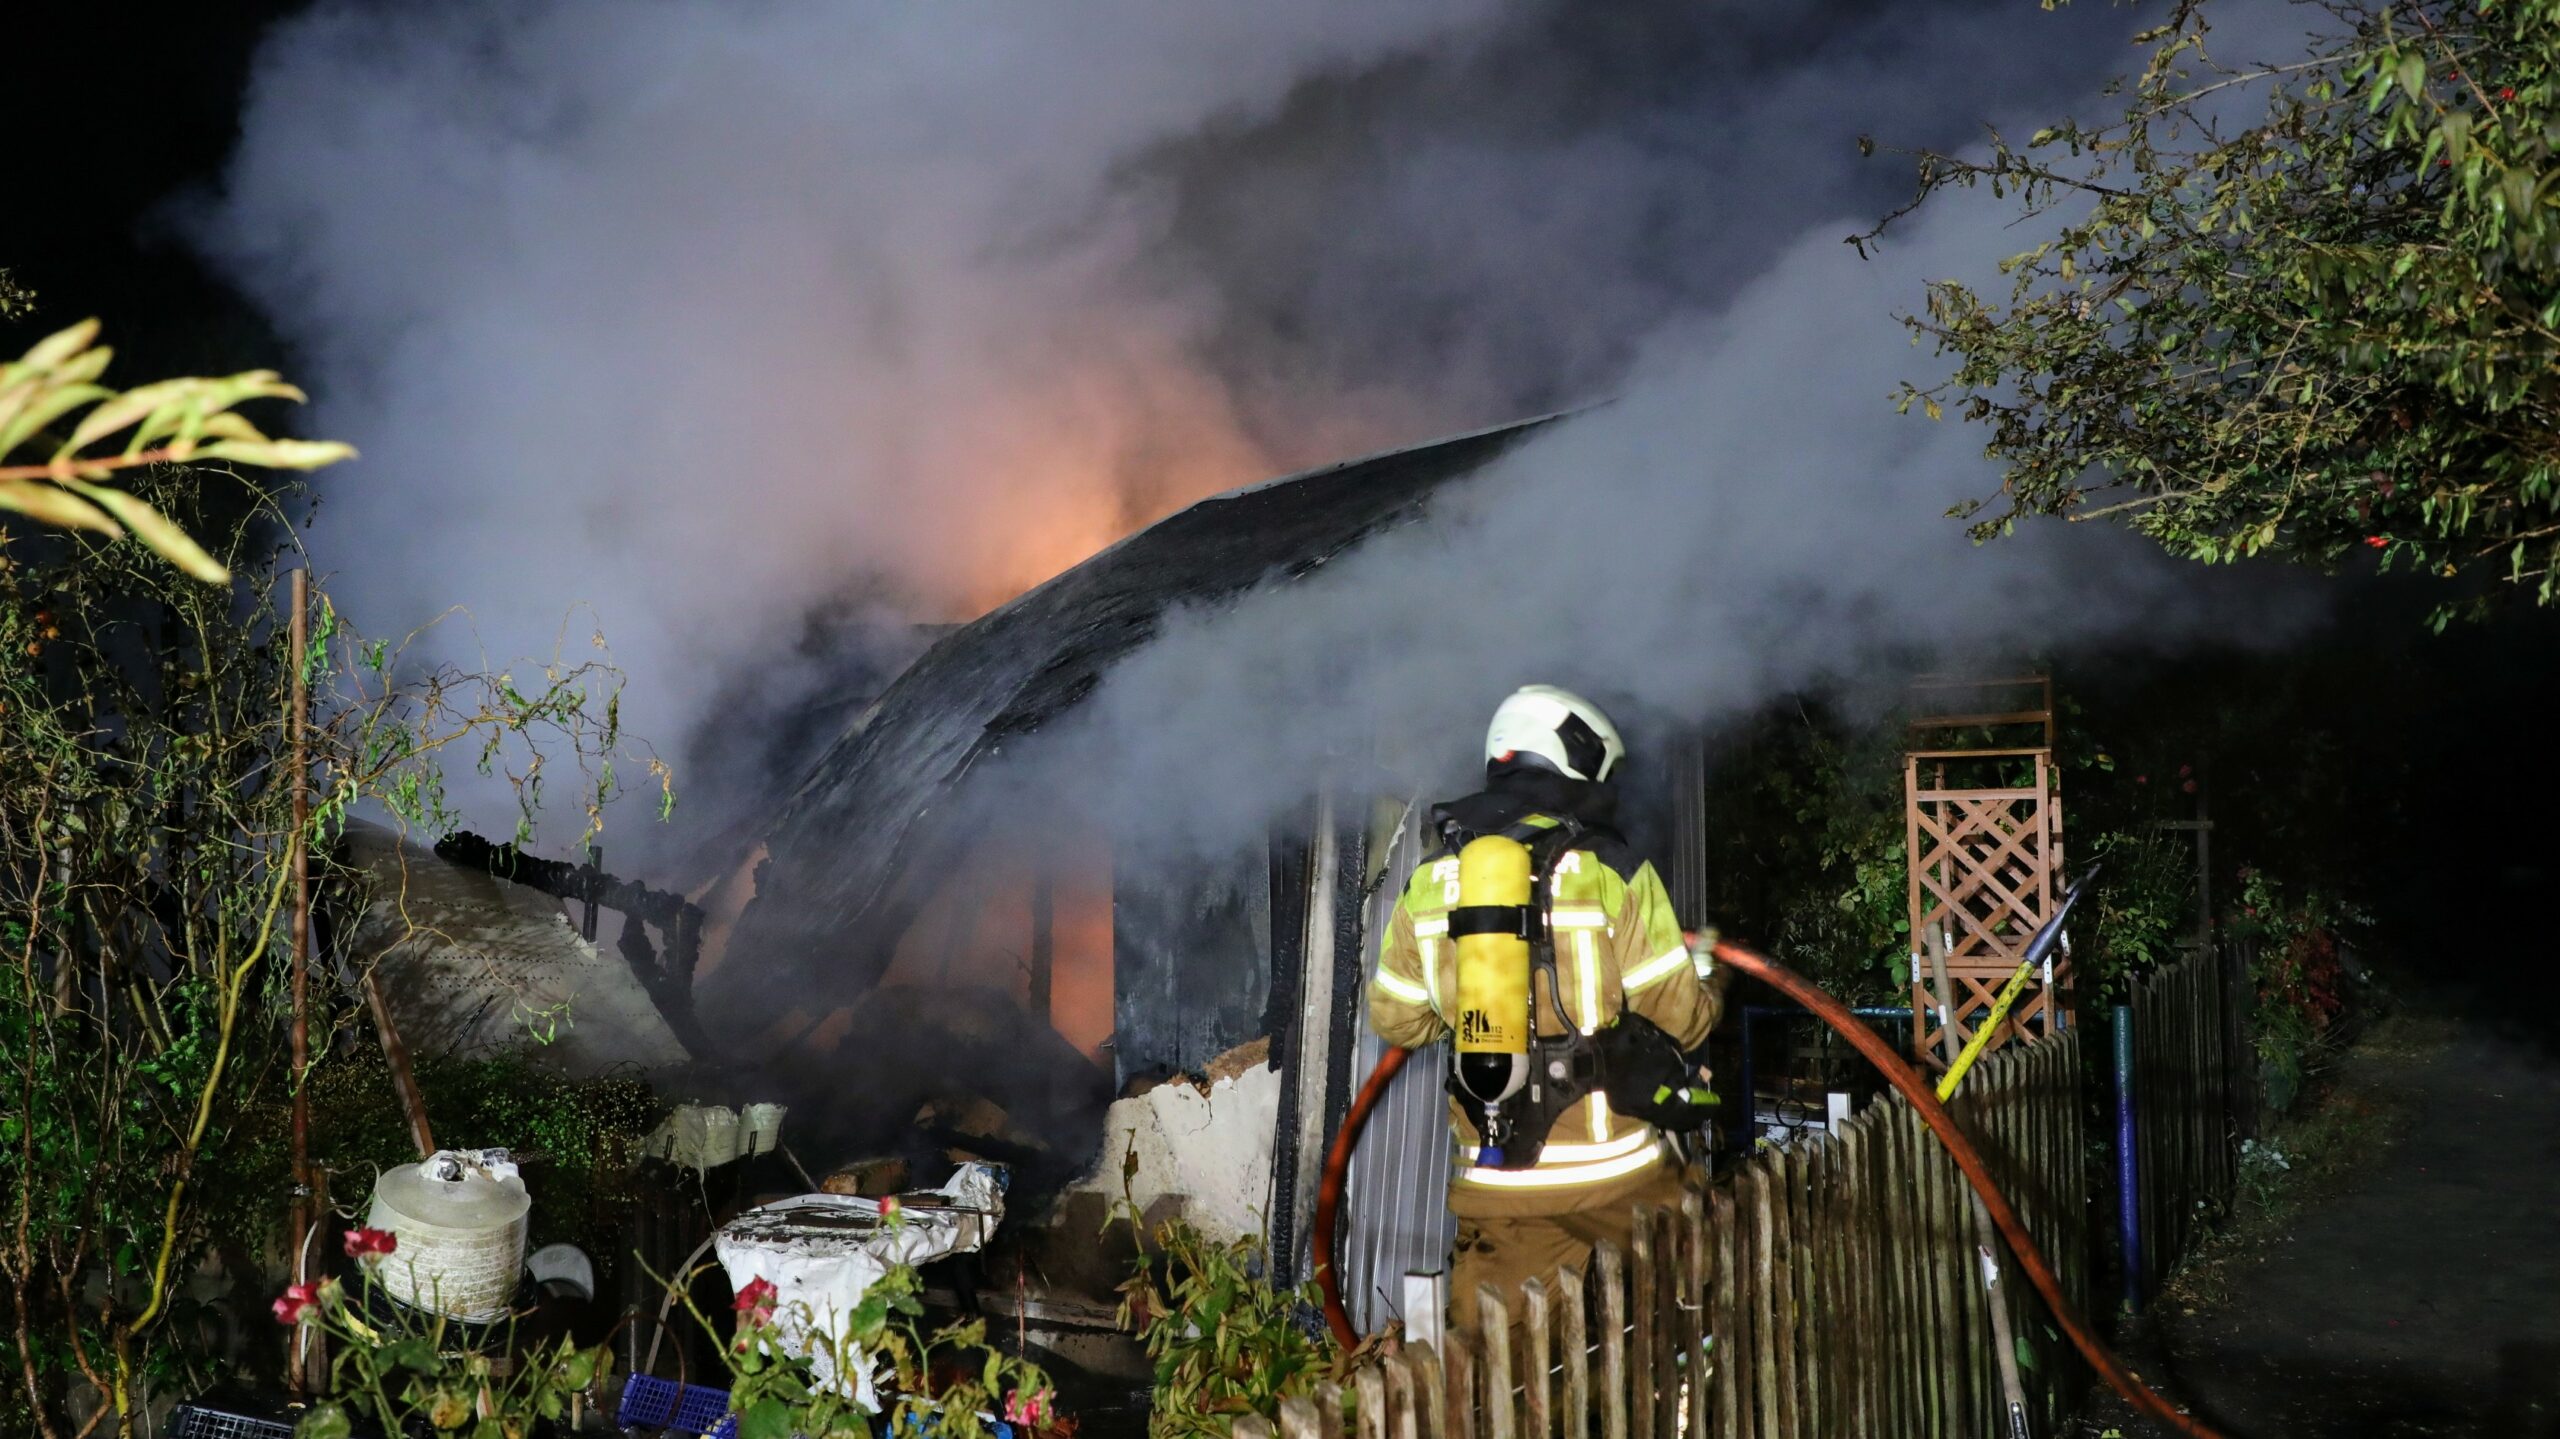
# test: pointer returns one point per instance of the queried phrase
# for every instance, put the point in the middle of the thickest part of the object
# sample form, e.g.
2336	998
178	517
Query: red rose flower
370	1243
1029	1410
297	1298
755	1302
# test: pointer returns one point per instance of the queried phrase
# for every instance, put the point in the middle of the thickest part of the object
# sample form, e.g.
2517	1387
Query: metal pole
2013	1390
2128	1200
2204	869
1749	1139
304	1363
1306	1070
1986	1236
2058	1014
1947	1038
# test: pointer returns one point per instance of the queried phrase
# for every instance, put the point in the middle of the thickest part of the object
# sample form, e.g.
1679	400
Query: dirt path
2415	1290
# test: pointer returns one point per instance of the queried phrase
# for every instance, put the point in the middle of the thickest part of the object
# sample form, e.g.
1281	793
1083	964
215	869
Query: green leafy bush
1224	1341
1807	846
577	1138
402	1369
406	1371
2300	975
147	848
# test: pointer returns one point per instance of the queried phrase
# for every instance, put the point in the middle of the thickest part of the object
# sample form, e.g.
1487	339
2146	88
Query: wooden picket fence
1832	1288
2185	1161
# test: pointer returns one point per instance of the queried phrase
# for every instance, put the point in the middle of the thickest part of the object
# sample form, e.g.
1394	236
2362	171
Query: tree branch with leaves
171	422
2308	308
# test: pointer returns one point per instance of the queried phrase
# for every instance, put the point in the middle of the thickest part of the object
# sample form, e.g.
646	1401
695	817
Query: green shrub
1225	1342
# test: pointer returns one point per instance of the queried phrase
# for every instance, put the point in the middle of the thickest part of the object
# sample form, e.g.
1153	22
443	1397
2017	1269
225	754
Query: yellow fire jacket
1618	949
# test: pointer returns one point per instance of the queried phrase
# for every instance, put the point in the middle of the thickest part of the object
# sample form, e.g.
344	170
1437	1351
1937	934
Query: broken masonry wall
1199	1150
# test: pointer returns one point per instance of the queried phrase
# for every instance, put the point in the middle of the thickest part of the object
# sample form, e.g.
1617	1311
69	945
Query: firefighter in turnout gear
1576	1010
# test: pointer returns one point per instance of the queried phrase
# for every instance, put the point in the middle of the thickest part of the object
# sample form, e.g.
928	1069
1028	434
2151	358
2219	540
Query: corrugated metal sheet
1398	1220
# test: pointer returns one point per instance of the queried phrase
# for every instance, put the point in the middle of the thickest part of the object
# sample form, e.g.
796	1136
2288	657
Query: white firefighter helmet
1550	728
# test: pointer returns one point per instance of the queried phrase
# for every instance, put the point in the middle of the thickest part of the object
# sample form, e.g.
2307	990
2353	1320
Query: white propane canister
460	1218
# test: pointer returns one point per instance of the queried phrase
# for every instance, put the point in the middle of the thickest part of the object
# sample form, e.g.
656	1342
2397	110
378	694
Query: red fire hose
1337	1165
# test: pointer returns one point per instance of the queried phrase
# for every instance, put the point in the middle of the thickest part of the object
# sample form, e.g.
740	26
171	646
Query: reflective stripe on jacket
1618	948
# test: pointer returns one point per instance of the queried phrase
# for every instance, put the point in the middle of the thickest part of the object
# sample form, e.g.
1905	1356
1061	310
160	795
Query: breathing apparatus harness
1512	1082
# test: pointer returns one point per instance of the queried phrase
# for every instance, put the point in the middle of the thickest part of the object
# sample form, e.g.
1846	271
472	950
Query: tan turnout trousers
1508	1250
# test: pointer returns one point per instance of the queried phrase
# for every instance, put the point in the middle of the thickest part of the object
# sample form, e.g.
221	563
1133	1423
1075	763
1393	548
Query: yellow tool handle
1982	1033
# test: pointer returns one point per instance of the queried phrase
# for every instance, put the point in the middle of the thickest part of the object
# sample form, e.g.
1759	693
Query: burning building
918	920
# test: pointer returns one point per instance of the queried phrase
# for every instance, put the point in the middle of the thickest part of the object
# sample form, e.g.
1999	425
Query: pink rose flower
370	1243
295	1302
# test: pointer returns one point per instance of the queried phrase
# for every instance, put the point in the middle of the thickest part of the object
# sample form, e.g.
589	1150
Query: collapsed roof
877	801
472	966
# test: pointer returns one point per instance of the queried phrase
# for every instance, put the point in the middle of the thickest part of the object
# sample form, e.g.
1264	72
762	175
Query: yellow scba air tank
1490	928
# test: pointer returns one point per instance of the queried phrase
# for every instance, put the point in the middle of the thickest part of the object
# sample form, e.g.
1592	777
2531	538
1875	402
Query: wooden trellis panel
1983	832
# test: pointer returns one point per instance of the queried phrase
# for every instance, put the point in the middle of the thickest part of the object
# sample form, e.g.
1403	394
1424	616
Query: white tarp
822	1252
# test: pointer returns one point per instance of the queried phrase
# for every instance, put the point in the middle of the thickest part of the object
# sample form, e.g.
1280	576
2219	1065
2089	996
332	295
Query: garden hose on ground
1900	1075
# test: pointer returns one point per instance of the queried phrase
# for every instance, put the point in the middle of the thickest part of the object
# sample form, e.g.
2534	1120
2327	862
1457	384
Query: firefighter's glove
1702	957
1680	1110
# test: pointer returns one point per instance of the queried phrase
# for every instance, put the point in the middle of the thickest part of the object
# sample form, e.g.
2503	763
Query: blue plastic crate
649	1402
221	1421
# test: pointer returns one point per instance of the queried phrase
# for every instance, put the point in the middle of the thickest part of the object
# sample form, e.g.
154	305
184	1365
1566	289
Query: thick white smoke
695	312
714	315
1752	517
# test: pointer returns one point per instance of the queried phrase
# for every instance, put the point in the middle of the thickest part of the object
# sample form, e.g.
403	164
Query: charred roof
879	799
